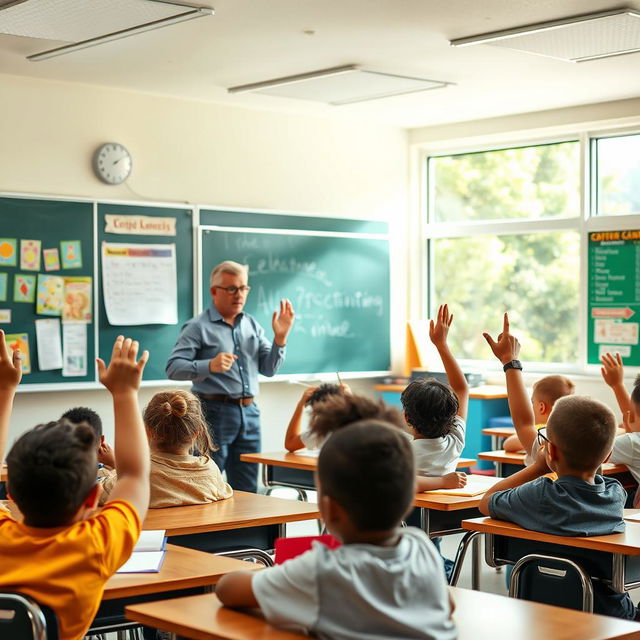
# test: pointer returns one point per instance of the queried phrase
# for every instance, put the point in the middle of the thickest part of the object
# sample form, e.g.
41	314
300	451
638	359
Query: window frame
583	223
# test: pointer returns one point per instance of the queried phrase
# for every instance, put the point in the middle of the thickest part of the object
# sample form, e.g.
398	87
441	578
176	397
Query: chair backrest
549	580
22	618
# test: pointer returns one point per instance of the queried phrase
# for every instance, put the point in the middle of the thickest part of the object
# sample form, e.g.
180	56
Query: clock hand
118	160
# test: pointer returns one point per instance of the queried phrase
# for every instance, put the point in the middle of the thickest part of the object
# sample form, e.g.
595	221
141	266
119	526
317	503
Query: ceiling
252	40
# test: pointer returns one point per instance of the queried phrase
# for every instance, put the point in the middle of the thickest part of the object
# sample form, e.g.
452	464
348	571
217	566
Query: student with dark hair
296	438
177	432
63	553
384	581
86	416
436	414
577	439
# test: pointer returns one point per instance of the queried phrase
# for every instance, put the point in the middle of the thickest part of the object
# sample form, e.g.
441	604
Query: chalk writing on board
139	283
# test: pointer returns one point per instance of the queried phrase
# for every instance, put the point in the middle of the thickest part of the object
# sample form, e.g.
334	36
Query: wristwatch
513	364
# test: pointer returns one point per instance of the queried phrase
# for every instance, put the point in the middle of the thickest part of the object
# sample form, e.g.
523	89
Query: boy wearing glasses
222	351
577	440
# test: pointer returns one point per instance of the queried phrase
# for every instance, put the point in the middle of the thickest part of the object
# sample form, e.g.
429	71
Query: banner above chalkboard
614	295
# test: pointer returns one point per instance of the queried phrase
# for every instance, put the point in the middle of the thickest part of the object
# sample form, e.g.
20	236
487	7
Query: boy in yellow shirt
63	552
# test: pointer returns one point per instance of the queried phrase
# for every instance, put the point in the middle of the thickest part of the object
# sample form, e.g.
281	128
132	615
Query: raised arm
506	349
10	376
438	333
122	379
292	440
613	374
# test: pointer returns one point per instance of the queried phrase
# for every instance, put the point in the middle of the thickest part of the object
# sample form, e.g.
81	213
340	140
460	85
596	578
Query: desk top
505	457
478	616
627	543
483	392
500	432
182	569
307	462
240	511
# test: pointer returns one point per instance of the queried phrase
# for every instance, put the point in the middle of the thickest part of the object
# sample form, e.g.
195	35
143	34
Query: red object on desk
287	548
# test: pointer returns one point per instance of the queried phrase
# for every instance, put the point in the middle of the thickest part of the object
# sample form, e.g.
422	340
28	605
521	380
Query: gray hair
228	266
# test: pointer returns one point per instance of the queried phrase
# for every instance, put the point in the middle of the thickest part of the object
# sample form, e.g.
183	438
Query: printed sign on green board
614	295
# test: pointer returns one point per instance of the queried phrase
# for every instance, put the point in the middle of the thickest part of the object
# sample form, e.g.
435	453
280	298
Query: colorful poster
30	255
8	252
51	260
77	299
71	254
24	288
20	341
4	279
50	295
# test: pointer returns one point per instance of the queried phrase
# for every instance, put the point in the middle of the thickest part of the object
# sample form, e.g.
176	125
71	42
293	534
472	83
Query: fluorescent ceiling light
84	23
576	39
340	85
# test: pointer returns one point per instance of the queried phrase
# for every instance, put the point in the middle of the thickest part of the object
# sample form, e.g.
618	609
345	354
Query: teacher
223	350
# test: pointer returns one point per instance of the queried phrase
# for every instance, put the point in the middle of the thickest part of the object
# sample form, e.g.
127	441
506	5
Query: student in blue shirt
222	351
578	438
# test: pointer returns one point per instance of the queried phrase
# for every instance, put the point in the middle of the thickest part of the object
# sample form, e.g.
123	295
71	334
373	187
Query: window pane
525	182
534	277
618	171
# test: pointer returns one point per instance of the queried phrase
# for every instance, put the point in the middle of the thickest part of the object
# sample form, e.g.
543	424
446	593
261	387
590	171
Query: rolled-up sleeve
183	363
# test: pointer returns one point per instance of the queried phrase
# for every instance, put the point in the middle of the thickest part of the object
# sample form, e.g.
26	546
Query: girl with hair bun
177	430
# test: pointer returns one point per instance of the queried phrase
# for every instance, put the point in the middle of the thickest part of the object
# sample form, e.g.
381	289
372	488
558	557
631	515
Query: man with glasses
222	351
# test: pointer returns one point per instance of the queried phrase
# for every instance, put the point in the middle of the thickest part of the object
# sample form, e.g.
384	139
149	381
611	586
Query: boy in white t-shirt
626	447
384	581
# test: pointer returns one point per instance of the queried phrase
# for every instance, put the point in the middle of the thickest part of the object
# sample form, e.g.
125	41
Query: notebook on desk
476	486
148	554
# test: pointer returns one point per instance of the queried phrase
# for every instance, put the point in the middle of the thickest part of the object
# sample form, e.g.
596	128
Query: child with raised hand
626	447
384	581
436	414
63	553
175	425
295	438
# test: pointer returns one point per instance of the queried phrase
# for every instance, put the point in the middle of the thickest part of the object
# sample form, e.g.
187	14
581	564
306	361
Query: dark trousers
235	430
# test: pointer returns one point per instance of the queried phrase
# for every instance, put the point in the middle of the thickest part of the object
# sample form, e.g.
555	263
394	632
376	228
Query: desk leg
499	470
476	563
282	530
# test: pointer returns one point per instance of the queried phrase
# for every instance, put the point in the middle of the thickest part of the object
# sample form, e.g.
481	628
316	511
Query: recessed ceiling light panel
340	85
577	39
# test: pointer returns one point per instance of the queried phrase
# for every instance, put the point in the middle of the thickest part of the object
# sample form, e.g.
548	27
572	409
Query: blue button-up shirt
207	335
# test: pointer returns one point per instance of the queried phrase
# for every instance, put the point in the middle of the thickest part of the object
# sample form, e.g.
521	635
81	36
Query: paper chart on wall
49	344
74	349
139	283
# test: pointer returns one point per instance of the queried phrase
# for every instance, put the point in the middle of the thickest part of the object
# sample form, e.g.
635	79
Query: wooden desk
620	546
295	470
244	520
498	435
483	392
183	572
504	460
478	616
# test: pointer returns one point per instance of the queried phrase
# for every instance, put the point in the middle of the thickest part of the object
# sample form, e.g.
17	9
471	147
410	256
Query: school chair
22	618
250	555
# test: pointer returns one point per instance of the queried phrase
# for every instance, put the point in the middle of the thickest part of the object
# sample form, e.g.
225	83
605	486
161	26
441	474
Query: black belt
219	397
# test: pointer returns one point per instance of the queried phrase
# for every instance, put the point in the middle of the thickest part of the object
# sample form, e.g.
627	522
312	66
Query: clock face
112	163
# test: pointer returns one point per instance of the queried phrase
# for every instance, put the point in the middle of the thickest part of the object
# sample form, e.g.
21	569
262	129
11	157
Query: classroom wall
209	154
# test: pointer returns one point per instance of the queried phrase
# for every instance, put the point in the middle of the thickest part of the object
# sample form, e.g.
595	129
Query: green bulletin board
614	295
50	222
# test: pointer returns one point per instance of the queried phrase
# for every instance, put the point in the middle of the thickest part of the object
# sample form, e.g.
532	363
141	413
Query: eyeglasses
244	289
541	438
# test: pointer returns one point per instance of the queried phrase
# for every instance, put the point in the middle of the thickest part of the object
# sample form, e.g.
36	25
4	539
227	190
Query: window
505	230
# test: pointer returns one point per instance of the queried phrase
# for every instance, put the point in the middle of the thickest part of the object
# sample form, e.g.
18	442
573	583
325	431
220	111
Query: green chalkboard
159	339
338	283
614	295
50	222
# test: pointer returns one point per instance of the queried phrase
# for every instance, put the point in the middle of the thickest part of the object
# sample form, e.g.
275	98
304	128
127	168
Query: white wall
201	153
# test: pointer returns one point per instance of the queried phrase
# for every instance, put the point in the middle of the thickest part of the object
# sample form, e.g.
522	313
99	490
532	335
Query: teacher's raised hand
282	322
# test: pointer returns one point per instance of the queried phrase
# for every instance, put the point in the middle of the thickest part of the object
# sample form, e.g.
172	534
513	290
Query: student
86	416
436	414
544	395
63	553
626	447
296	438
577	440
175	425
384	581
